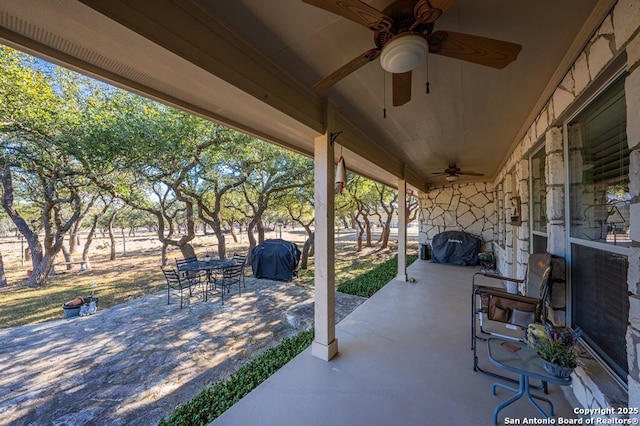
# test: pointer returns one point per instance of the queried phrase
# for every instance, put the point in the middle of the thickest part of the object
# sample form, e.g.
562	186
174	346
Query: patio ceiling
250	64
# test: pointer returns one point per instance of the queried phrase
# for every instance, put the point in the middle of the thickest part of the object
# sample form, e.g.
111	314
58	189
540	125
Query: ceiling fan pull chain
426	63
384	94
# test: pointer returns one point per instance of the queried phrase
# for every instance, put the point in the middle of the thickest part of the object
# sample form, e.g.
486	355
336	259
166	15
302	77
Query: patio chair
195	277
230	276
240	260
176	283
499	313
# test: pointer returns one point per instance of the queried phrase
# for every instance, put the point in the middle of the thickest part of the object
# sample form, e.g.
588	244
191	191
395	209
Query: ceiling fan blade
346	69
470	173
356	11
401	88
476	49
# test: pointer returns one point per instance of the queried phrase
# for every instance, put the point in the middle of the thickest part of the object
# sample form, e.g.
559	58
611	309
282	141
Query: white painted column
402	230
325	345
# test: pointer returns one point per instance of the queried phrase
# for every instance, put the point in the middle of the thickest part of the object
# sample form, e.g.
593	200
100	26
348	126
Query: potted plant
557	350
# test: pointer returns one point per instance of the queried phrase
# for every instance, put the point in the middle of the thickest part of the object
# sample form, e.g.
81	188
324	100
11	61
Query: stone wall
465	207
618	35
626	25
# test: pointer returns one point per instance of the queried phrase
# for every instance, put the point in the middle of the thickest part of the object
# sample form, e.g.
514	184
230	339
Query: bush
367	284
216	399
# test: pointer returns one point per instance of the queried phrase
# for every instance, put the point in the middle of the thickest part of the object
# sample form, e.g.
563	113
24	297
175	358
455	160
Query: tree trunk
163	254
386	230
91	234
367	224
67	258
112	237
384	238
73	240
359	230
232	231
310	235
252	238
3	277
306	249
40	271
222	243
124	242
260	227
187	251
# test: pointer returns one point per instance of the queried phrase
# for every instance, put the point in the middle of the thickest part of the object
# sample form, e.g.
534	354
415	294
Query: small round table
516	357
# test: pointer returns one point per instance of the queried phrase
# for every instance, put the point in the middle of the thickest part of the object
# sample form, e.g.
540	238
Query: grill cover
275	260
455	248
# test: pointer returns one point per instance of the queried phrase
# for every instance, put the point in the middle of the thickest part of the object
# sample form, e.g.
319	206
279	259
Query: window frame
545	234
569	240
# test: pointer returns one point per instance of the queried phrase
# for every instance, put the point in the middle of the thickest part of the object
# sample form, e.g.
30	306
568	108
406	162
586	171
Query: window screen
599	219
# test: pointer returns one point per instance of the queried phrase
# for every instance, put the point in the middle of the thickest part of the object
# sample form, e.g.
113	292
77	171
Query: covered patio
251	65
404	360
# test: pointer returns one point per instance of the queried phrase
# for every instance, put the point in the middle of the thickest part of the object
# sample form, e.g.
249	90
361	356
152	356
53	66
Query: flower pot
74	307
556	370
71	311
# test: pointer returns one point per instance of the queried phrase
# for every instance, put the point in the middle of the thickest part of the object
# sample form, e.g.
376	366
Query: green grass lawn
134	276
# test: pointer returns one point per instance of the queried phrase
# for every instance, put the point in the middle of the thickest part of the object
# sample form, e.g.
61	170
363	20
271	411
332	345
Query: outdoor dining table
210	266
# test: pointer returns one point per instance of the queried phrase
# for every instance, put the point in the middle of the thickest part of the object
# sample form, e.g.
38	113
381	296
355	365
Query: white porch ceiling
250	64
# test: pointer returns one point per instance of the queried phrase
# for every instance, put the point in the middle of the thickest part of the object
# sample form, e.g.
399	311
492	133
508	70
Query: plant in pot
557	350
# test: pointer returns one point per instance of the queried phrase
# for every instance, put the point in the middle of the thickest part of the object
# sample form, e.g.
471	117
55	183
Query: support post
402	230
325	344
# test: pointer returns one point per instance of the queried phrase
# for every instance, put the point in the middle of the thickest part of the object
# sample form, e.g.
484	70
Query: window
599	225
538	202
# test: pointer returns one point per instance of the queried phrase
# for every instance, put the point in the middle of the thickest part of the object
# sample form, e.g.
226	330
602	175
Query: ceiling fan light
451	178
403	53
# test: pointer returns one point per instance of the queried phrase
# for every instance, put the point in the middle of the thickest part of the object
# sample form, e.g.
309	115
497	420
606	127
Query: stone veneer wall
465	207
619	34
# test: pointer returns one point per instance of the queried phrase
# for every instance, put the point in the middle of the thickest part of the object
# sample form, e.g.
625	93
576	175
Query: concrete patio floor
404	359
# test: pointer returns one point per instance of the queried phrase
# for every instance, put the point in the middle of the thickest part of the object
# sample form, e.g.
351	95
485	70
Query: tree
276	173
36	164
363	202
221	171
147	155
300	206
387	200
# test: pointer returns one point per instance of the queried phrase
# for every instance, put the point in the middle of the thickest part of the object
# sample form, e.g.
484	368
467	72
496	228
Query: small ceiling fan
403	31
452	172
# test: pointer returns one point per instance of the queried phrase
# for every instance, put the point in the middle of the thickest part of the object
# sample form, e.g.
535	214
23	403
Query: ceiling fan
452	172
403	31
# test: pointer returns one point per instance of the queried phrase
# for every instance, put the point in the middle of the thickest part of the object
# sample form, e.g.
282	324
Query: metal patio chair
240	260
498	313
230	276
176	283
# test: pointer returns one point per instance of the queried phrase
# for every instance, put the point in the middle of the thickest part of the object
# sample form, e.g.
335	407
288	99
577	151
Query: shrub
367	284
216	399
